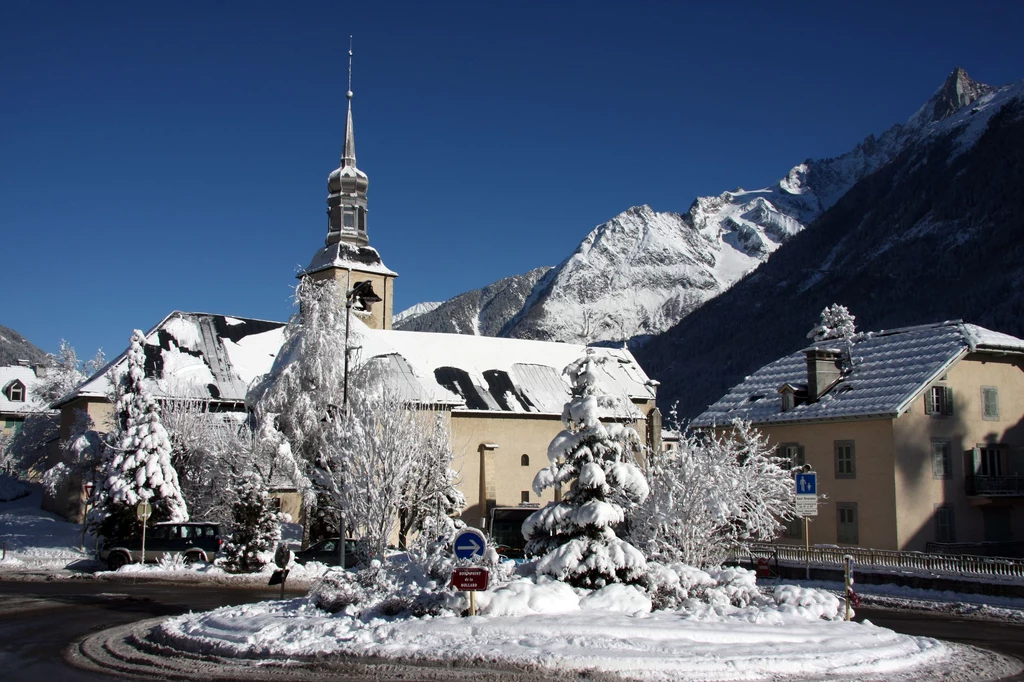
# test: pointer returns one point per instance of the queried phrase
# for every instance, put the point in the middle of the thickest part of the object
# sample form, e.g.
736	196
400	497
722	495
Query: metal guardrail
889	561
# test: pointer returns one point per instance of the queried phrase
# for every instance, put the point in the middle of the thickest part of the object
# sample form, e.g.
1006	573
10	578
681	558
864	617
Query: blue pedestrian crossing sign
807	484
469	543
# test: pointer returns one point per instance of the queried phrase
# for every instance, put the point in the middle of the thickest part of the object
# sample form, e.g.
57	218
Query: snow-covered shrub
619	598
715	493
808	602
255	529
139	468
171	562
336	591
576	536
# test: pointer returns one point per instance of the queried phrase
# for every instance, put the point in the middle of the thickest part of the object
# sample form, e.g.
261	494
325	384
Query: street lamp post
360	291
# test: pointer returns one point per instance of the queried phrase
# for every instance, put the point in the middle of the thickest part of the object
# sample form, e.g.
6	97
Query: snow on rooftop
348	257
514	375
27	376
888	369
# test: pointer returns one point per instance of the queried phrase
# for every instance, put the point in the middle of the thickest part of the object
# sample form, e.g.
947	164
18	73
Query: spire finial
350	67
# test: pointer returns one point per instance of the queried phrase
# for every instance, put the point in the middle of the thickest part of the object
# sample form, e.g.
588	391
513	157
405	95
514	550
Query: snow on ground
611	630
35	539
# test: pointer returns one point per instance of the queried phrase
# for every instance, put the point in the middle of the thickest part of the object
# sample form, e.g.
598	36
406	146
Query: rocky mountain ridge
643	271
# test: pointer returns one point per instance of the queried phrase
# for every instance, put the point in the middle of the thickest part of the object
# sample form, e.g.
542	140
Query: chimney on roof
823	371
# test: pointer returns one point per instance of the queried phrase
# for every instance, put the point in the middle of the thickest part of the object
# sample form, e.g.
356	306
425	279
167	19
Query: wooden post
472	602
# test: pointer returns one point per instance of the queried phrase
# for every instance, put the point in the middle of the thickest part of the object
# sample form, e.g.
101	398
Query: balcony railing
888	561
995	486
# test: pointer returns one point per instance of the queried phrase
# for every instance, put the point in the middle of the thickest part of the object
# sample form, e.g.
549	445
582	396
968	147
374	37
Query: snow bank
655	646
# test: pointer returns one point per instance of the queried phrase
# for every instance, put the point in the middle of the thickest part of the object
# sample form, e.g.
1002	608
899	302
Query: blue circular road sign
469	543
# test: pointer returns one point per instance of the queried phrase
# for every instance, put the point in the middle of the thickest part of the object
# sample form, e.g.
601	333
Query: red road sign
470	579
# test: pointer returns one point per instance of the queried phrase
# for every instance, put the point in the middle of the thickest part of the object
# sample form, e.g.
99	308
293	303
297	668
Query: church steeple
347	257
346	186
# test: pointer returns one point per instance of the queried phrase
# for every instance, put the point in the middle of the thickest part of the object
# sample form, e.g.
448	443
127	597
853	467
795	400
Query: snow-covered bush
255	528
717	492
577	535
171	562
138	469
385	589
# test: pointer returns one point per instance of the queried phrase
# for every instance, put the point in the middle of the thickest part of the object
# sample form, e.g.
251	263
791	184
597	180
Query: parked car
326	552
194	541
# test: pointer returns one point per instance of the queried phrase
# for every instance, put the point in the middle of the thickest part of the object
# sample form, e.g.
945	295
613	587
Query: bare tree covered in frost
212	452
84	451
836	323
717	492
431	496
362	461
64	373
577	535
138	469
298	404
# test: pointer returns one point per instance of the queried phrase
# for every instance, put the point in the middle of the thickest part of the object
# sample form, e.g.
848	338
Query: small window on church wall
362	220
350	218
525	460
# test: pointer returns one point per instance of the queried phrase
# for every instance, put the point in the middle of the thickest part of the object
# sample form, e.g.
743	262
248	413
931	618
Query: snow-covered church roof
216	357
198	355
489	374
889	370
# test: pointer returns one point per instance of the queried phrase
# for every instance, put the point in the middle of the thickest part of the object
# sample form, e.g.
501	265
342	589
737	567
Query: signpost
470	579
144	511
469	543
807	506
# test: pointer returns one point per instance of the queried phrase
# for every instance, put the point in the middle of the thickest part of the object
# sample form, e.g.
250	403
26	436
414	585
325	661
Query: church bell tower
347	256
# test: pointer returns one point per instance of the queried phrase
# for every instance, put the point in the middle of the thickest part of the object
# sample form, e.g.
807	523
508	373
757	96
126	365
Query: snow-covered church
504	397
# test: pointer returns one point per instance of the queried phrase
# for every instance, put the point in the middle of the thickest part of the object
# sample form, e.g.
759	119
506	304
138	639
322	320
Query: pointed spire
348	157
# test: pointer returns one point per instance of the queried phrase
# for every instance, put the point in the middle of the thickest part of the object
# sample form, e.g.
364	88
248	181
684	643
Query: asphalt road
39	619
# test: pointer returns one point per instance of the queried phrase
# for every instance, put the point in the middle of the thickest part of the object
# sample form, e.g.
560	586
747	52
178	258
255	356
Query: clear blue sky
162	156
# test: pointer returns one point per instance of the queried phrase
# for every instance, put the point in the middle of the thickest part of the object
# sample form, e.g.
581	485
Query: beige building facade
915	434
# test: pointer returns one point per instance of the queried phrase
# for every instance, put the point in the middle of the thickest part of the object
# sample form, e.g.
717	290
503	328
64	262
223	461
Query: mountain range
15	347
816	236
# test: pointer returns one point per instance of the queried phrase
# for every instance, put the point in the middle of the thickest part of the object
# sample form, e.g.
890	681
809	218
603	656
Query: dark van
195	541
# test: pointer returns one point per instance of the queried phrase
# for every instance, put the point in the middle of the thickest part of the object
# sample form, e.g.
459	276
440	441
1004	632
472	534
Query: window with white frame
942	458
16	391
990	403
938	401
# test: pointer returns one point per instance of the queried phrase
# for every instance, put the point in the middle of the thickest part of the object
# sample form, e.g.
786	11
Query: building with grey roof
916	435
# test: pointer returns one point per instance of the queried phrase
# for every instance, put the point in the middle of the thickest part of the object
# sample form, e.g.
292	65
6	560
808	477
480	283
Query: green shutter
928	401
949	401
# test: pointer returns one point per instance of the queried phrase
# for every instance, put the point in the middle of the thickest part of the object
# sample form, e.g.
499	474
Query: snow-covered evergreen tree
836	323
577	535
138	468
715	493
255	527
